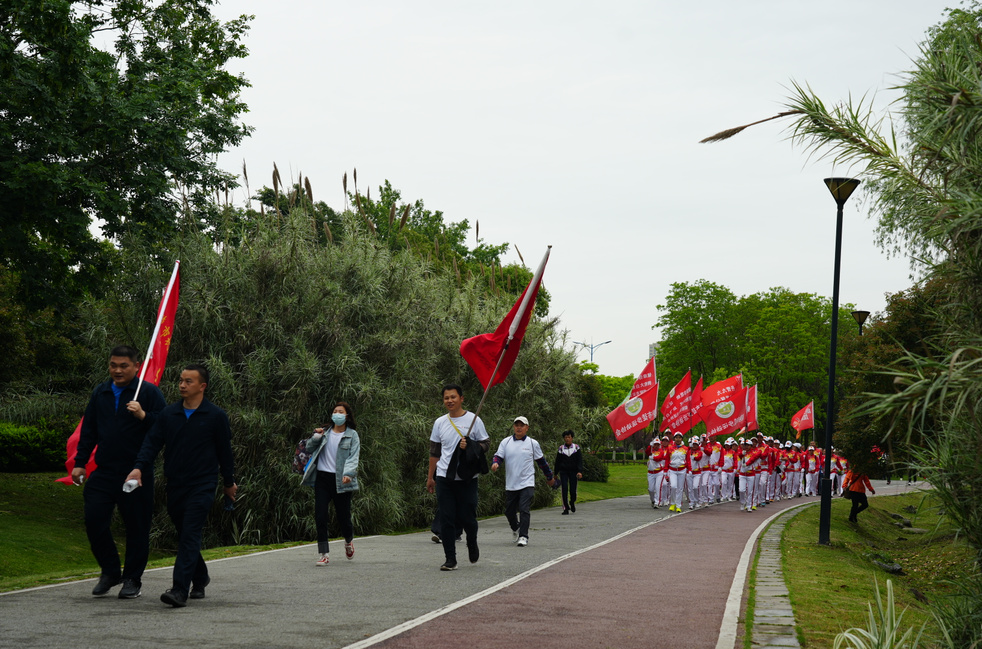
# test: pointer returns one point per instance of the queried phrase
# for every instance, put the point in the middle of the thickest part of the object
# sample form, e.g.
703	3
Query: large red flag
695	408
634	414
645	380
492	356
728	413
752	408
804	419
675	411
152	369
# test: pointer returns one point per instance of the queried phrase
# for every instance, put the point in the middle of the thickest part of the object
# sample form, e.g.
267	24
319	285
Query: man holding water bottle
114	426
197	442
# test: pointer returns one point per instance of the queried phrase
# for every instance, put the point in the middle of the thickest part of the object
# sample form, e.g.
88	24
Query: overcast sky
577	124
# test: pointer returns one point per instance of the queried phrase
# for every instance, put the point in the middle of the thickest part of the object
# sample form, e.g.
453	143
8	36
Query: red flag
695	408
675	411
645	380
492	356
752	408
152	369
728	413
634	414
804	419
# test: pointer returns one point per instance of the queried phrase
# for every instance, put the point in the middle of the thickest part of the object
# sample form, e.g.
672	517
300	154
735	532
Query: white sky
577	124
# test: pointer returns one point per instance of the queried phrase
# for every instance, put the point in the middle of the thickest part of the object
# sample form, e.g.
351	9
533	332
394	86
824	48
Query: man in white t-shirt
520	453
456	498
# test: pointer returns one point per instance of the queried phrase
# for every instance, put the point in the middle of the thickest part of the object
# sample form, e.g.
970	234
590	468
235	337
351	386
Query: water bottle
130	485
229	504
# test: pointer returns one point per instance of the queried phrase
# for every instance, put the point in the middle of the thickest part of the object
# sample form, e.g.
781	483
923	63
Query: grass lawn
43	539
624	480
831	585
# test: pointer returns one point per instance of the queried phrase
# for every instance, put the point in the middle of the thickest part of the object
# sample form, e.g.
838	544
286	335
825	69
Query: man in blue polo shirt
520	453
114	426
197	442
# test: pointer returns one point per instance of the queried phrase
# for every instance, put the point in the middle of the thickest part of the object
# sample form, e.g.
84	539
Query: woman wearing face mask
332	471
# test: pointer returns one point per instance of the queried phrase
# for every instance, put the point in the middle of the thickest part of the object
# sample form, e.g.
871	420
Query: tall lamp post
591	347
842	189
860	318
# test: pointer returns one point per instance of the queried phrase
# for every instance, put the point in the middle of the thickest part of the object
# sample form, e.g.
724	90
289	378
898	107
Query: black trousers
188	508
568	480
859	503
518	509
457	502
325	493
103	494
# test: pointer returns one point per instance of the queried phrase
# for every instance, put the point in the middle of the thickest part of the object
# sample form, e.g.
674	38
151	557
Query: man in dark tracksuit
114	426
197	442
569	468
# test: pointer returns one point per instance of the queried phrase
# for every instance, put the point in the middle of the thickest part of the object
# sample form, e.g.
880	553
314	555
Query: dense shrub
31	448
594	470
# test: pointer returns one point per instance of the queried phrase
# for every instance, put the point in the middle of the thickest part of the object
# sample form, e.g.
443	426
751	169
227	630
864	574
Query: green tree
123	139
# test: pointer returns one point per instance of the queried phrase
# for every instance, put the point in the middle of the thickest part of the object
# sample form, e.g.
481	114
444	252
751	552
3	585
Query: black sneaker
105	583
473	552
175	598
565	512
198	590
130	589
572	507
449	565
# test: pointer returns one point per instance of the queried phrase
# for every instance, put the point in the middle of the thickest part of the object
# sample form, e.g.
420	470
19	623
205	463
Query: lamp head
860	317
841	188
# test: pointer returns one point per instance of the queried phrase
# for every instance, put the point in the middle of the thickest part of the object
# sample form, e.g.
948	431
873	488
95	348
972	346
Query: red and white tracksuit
747	472
813	464
658	488
693	481
727	474
678	459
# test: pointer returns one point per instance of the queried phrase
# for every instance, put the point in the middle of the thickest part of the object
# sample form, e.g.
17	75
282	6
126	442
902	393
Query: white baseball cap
521	419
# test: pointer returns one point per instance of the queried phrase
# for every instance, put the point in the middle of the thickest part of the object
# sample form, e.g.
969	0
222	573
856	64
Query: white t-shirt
519	456
327	460
444	434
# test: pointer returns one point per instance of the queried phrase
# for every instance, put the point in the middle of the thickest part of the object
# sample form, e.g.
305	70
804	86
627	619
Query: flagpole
156	328
512	329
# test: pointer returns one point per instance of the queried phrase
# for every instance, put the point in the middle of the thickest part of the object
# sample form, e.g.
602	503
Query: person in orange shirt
678	459
856	485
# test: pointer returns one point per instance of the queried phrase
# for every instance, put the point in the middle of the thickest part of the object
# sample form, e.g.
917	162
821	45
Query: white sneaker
522	541
514	536
323	561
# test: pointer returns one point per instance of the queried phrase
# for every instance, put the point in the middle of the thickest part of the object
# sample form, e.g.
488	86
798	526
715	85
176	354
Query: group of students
755	469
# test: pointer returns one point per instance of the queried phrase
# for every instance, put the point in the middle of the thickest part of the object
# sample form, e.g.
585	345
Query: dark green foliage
30	448
594	470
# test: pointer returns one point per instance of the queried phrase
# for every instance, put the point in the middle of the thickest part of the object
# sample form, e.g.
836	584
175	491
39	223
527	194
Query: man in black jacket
197	442
114	426
569	468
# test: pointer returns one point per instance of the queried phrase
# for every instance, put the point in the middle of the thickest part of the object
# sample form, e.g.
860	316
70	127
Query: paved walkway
615	574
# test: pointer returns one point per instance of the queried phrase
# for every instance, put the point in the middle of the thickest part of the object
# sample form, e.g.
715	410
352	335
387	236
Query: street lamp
860	317
842	189
591	347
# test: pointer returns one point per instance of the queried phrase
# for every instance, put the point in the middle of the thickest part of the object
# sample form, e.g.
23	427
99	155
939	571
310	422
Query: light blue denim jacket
346	461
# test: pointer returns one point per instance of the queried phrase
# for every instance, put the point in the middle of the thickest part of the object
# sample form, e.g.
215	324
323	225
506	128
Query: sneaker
105	583
474	553
514	535
572	507
565	512
522	541
130	589
175	598
435	539
654	506
449	565
198	590
323	561
349	550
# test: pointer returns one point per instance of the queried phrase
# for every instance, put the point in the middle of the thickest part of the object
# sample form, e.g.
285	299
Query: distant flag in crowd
152	369
804	419
676	410
637	411
725	406
695	409
492	355
752	408
646	380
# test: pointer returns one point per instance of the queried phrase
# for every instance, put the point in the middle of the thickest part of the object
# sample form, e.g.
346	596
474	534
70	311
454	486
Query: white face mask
339	418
